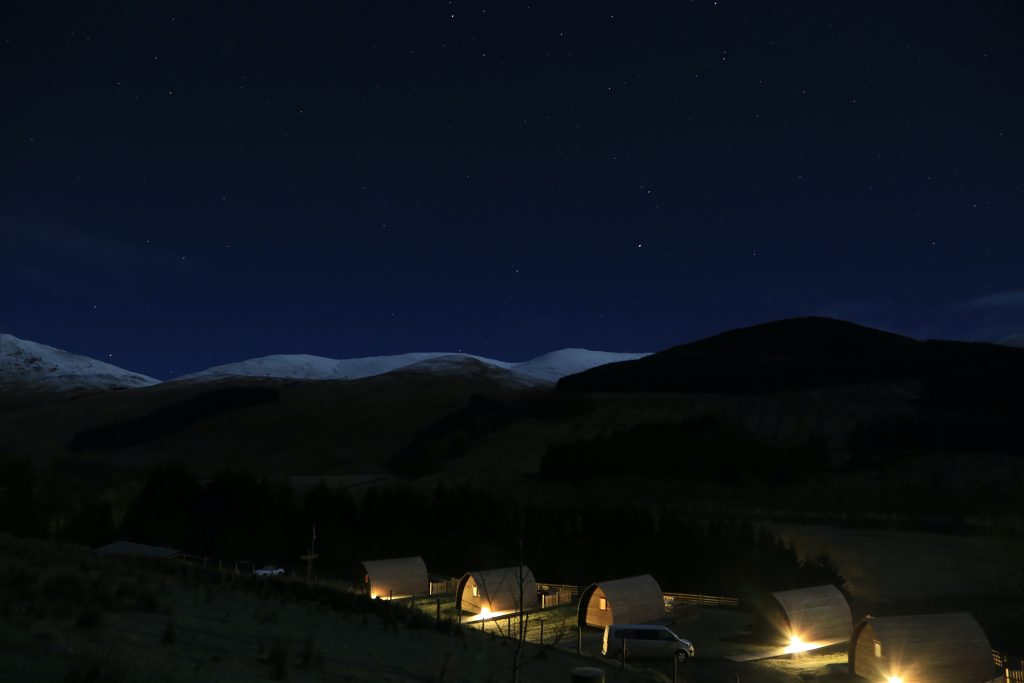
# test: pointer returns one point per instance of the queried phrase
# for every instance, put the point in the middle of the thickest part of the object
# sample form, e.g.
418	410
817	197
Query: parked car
269	571
644	640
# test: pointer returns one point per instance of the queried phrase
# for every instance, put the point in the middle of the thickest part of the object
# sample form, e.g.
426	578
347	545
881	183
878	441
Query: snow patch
553	366
1016	340
548	368
24	362
297	366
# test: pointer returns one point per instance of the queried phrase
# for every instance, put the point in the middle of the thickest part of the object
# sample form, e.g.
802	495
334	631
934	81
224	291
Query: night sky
187	185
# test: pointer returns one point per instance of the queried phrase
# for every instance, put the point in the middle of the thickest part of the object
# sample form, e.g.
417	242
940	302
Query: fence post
622	654
579	640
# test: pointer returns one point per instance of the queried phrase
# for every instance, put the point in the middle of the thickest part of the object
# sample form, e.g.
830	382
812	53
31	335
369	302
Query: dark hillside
813	353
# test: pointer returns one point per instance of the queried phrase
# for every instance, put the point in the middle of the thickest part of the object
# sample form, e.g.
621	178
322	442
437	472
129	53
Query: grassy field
881	564
718	634
905	572
68	616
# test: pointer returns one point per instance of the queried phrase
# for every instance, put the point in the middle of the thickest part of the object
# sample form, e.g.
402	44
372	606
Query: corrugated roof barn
399	577
926	648
816	614
496	590
633	600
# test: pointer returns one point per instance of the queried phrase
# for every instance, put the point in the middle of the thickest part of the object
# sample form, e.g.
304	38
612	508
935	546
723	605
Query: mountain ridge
28	363
546	368
31	365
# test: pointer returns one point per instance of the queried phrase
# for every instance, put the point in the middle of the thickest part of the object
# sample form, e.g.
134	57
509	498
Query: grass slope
74	616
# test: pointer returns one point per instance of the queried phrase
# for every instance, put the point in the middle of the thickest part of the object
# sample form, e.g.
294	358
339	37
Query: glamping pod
819	614
927	648
396	578
633	600
490	591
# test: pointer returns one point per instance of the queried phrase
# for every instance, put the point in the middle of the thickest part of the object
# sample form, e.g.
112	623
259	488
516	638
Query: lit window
602	604
878	648
476	592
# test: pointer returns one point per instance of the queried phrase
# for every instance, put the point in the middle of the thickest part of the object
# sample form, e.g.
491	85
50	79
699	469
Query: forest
238	516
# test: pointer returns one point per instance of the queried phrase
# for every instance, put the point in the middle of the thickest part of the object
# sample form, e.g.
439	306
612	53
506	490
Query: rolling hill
547	368
812	353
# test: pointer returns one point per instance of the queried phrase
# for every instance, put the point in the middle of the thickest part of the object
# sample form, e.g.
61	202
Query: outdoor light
894	679
797	644
486	612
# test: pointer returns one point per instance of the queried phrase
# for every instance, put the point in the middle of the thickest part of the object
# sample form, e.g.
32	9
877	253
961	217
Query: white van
643	640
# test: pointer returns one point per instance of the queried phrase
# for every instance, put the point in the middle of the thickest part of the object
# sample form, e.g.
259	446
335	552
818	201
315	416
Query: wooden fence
672	599
441	585
558	594
1013	667
565	591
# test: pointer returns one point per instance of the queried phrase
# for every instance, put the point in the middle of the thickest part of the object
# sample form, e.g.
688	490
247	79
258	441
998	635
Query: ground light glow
486	614
796	644
894	679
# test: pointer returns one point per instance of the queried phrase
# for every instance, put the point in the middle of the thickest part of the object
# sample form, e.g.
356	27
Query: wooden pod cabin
496	590
926	648
400	577
633	600
810	615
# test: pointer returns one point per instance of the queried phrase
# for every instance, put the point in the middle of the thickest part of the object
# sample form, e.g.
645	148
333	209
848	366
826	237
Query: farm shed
813	615
395	578
633	600
496	590
925	648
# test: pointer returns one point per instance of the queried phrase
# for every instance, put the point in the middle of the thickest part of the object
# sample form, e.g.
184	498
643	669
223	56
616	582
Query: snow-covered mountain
30	364
553	366
299	366
547	368
1014	340
27	364
463	365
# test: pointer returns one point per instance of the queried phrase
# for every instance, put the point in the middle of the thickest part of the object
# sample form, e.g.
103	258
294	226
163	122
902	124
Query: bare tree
517	624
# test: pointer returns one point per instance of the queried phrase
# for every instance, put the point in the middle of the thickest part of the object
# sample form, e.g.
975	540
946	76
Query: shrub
170	634
62	590
278	661
148	602
89	617
306	658
90	668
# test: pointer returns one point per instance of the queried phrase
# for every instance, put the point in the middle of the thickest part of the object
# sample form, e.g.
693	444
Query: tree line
238	516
